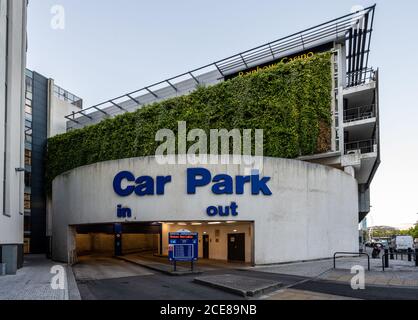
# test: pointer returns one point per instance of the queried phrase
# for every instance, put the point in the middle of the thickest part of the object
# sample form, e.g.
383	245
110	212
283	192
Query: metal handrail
351	253
359	77
360	113
365	146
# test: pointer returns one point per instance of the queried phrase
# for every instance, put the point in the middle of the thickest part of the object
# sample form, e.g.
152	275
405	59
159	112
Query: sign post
183	246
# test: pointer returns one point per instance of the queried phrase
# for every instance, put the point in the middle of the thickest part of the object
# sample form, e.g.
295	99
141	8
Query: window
28	179
27	201
29	86
28	116
27	224
28	159
28	138
28	109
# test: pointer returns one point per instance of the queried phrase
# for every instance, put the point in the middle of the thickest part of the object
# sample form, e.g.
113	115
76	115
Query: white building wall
312	213
12	68
57	110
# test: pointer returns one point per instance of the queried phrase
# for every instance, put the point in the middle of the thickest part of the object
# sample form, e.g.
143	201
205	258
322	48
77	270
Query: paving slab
241	285
291	294
33	282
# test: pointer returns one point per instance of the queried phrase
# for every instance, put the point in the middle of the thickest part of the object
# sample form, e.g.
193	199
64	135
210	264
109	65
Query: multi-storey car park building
325	195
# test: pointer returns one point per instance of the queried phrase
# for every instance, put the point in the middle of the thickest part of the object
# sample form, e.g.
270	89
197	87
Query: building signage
303	55
125	184
183	246
122	212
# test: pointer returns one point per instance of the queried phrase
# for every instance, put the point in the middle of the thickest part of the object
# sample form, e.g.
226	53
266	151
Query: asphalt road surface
142	284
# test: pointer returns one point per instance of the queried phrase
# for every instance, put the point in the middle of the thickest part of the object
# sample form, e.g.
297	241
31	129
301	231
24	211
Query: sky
108	48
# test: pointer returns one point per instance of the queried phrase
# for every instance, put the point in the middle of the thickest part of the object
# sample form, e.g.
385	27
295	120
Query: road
141	284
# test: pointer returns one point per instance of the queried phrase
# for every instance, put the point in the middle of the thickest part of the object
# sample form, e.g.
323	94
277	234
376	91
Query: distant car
402	243
378	245
385	244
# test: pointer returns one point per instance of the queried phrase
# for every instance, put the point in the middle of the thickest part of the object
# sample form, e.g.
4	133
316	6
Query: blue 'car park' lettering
224	184
142	186
125	183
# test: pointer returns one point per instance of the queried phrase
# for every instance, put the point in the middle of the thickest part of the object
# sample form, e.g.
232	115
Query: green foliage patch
290	102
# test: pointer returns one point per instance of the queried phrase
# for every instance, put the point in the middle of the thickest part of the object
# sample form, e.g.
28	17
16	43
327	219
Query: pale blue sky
112	47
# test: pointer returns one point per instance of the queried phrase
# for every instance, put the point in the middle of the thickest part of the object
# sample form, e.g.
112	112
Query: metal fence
365	146
360	113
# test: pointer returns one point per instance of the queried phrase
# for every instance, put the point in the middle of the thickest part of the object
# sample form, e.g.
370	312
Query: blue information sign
183	246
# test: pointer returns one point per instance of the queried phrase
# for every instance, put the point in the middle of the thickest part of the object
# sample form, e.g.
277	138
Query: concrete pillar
71	245
9	257
350	171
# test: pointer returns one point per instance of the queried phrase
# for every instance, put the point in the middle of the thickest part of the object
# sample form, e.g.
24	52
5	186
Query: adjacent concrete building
12	86
46	105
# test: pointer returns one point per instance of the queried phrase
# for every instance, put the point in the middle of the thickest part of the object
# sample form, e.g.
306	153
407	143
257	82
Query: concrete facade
58	108
312	212
12	84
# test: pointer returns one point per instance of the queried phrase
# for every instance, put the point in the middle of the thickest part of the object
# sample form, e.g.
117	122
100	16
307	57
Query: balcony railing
365	146
67	96
360	113
363	76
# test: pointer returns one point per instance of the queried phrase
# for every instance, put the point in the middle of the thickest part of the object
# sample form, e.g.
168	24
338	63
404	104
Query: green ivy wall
291	102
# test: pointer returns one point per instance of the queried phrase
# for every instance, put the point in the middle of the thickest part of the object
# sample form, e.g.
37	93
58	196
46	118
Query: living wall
291	102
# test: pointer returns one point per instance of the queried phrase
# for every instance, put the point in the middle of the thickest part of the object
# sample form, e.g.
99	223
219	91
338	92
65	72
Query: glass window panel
28	157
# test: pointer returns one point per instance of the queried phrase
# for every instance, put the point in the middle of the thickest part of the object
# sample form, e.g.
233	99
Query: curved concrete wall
312	212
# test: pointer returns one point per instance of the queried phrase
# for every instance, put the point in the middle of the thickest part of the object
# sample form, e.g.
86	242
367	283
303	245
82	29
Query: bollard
391	253
416	257
409	254
386	258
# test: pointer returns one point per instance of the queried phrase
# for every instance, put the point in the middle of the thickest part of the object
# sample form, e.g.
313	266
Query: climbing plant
291	102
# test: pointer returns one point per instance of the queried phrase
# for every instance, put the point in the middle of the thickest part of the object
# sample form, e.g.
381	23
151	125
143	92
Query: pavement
33	282
401	273
292	294
242	285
